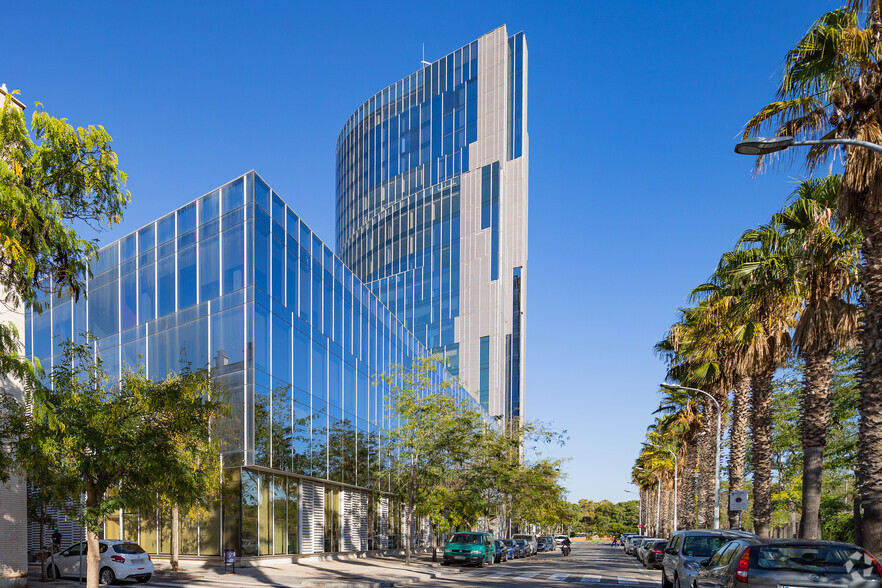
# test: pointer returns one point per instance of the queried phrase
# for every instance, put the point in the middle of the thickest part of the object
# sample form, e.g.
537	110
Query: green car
470	548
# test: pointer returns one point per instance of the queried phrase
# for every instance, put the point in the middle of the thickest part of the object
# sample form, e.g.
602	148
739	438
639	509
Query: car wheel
480	564
144	579
106	576
52	572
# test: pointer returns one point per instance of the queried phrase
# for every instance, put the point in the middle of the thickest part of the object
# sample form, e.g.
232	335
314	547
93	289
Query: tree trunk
687	489
42	544
706	464
93	558
738	440
176	537
761	425
870	381
411	499
858	521
815	420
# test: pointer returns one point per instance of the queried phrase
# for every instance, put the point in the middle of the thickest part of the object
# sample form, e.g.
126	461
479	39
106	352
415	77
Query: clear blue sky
634	109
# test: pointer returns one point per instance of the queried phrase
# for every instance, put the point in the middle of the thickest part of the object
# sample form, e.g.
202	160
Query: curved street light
647	444
766	145
639	505
719	424
657	497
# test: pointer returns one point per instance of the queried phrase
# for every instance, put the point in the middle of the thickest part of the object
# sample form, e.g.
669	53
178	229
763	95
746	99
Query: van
532	542
470	548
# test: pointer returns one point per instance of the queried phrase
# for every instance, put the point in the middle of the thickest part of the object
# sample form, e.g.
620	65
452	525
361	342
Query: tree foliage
123	444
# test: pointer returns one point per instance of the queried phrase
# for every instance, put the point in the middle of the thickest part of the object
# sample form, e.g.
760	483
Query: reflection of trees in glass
277	443
352	453
282	440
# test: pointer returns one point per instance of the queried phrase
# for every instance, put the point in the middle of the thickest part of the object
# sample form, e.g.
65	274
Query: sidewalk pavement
368	572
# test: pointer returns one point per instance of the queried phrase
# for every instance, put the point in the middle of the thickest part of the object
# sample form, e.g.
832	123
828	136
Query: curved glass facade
432	209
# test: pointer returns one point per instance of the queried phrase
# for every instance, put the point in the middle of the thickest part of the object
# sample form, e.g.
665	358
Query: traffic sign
738	500
639	526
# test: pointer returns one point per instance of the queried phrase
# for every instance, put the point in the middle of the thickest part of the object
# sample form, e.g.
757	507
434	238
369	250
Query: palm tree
825	273
693	362
832	89
766	307
680	417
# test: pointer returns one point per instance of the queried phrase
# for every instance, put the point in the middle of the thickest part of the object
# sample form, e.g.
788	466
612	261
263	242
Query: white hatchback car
120	560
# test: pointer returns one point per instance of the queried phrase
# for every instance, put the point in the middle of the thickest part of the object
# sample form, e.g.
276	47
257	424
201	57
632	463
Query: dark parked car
514	550
501	551
686	549
655	554
524	547
798	562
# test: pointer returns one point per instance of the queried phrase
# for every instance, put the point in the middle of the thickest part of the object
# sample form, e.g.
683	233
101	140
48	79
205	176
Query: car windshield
128	548
703	546
520	542
811	558
508	542
467	538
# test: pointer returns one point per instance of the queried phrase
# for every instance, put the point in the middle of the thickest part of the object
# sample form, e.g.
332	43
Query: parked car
501	551
624	537
644	546
531	541
630	543
797	562
470	548
514	550
120	560
546	543
655	554
523	547
559	539
686	549
636	542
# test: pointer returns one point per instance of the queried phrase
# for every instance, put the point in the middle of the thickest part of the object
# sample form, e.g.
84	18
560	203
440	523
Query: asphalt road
589	564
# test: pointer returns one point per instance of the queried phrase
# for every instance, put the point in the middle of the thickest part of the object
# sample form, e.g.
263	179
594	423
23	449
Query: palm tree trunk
815	420
870	381
738	439
706	465
761	425
686	490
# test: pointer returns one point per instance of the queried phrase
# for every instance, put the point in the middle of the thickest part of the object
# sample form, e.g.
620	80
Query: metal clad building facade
432	192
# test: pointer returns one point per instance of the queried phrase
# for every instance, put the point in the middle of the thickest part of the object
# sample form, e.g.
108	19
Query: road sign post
738	502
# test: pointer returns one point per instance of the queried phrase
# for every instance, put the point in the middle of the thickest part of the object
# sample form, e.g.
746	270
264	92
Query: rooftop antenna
424	62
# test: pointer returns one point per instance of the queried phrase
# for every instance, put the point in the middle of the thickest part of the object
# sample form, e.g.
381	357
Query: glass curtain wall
236	281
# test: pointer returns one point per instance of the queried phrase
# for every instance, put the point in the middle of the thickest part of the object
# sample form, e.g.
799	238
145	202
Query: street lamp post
766	145
674	526
657	498
639	505
719	424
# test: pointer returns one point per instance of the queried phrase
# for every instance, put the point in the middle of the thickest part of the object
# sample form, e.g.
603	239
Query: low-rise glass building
236	281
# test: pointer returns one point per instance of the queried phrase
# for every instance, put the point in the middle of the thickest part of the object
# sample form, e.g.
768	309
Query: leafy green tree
120	442
431	432
53	178
191	478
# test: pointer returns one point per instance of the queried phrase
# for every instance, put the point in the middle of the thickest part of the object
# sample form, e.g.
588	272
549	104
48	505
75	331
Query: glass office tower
432	180
235	280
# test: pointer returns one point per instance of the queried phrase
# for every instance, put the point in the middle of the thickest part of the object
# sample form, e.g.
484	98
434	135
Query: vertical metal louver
312	517
350	522
363	522
384	523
